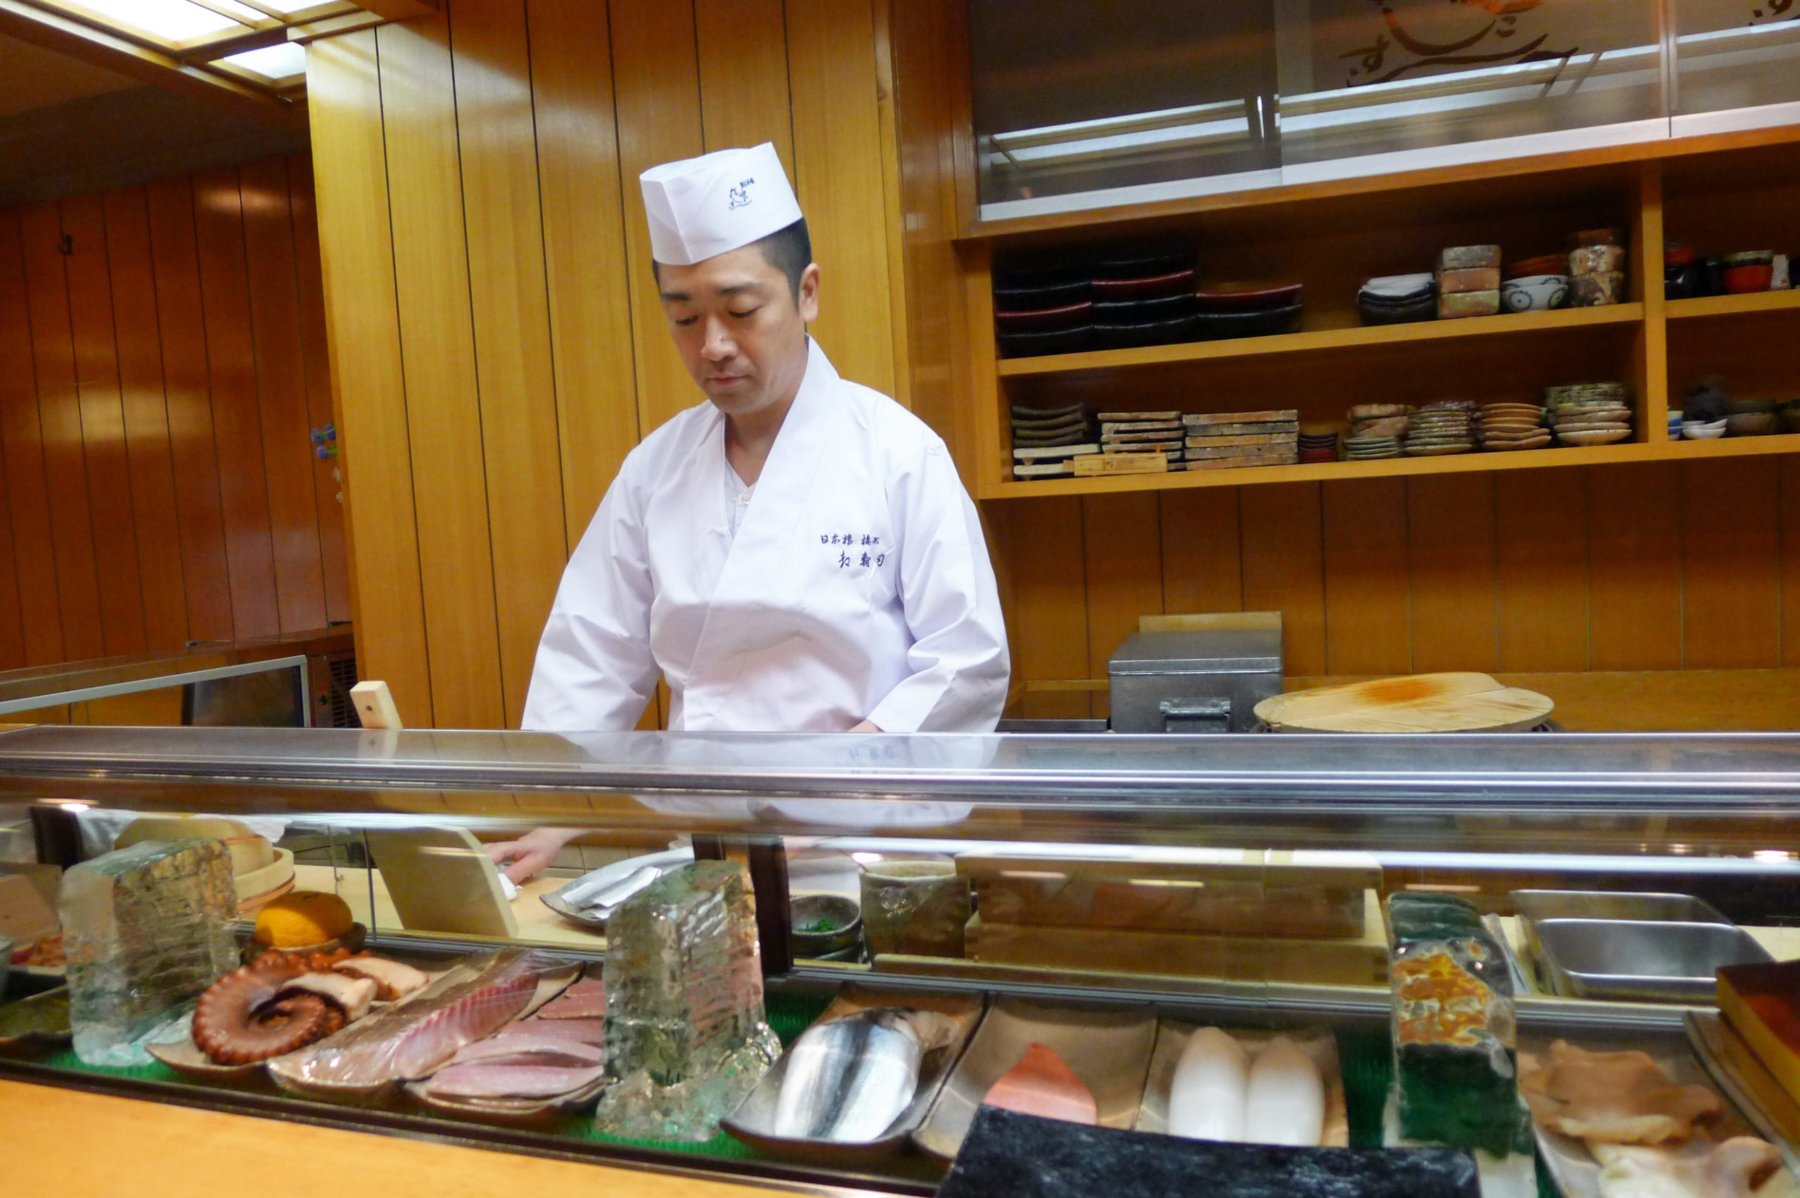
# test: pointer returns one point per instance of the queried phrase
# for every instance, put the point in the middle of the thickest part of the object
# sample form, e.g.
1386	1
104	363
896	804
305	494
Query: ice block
146	929
686	1037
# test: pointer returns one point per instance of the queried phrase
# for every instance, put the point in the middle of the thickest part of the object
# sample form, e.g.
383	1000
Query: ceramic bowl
1174	282
1750	424
1214	325
1143	262
1025	296
1534	293
1375	312
1703	432
1543	264
1743	280
1141	311
1146	332
1790	418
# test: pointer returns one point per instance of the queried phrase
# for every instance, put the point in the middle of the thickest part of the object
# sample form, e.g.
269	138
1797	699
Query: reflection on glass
1077	106
1734	54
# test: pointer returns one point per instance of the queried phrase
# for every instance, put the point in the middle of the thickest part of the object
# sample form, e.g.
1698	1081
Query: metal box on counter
1206	674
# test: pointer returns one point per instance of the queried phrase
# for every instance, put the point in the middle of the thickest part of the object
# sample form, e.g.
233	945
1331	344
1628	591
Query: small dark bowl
1143	311
1042	295
1215	326
842	912
1128	264
1053	341
1175	282
1406	313
1249	299
1044	318
1150	332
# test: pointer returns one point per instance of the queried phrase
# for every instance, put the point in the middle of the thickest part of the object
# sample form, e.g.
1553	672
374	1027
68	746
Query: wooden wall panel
1731	564
22	455
1201	569
508	294
584	250
356	241
59	419
1367	629
838	169
102	425
281	394
1634	564
146	415
743	75
1123	537
237	421
1283	568
443	403
316	354
1042	542
1788	514
656	78
1450	555
1541	551
199	505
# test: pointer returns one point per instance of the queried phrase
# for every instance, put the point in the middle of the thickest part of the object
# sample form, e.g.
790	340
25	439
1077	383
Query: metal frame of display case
1727	803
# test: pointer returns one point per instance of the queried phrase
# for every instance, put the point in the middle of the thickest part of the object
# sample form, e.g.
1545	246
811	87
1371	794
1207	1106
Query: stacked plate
1588	413
1318	443
1504	426
1225	440
1441	428
1142	432
1377	430
1047	440
1398	299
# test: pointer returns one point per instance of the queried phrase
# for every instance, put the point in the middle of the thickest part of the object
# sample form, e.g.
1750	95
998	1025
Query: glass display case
1098	897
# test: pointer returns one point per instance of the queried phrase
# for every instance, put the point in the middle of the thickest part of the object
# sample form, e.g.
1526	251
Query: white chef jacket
857	584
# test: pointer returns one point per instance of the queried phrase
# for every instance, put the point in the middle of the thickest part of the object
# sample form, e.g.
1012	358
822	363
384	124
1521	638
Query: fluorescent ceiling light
242	12
272	62
171	20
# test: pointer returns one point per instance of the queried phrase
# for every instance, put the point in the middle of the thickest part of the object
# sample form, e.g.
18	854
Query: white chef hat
706	206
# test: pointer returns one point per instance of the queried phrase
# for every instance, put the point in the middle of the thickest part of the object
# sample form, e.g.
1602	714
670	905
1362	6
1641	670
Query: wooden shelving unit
1327	239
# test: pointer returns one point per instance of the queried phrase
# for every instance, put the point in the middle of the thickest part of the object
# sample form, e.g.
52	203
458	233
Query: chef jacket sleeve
958	661
594	670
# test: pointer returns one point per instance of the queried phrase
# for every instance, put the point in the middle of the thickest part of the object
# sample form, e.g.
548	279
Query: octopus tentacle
244	1018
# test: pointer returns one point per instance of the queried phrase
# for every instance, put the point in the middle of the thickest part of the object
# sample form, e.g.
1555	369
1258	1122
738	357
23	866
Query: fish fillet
586	1031
848	1079
563	1049
1042	1084
484	1079
584	1000
1614	1097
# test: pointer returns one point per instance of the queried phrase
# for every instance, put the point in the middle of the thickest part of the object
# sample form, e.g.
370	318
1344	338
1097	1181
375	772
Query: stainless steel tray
754	1118
1535	906
1107	1047
1641	960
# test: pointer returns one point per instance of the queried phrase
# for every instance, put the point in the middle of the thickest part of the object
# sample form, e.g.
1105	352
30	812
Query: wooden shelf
1467	463
1733	305
1506	324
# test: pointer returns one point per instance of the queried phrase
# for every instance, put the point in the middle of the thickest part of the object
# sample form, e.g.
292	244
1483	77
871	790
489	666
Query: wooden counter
68	1142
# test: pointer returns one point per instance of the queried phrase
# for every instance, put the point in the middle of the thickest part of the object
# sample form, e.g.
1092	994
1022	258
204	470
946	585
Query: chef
796	553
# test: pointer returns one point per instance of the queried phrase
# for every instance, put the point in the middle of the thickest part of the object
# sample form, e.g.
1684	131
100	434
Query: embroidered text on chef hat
702	207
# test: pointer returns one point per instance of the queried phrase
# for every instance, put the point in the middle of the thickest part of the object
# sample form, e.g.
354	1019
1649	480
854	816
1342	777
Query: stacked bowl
1398	299
1441	428
1589	413
1377	430
1318	443
1046	309
1508	426
1144	298
1242	310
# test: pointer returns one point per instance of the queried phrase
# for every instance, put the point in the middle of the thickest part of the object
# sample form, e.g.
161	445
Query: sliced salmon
1042	1084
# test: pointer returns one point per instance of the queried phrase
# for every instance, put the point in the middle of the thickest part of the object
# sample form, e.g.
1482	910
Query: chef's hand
531	852
865	726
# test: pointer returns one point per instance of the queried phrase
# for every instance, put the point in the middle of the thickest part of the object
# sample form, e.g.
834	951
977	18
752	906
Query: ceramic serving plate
40	1021
1317	1043
1108	1048
753	1122
1573	1167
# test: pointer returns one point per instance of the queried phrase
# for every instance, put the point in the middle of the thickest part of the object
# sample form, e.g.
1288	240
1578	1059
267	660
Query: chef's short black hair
788	250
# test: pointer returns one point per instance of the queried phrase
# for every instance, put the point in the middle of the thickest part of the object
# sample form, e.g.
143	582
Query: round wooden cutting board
1410	704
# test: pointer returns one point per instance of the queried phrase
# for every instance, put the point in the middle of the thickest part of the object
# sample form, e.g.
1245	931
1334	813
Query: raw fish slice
584	1000
493	1080
1735	1169
1211	1085
1614	1097
1285	1099
393	979
1042	1084
412	1038
584	1031
574	1052
849	1079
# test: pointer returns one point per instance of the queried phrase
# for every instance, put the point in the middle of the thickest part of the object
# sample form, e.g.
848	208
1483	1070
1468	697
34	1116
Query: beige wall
497	346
